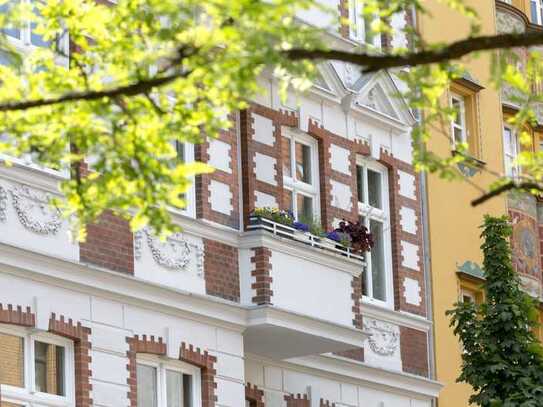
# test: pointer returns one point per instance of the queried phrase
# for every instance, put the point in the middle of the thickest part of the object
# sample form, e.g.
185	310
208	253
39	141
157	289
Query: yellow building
454	235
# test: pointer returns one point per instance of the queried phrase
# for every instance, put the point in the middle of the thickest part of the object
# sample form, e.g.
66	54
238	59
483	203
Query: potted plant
280	217
353	235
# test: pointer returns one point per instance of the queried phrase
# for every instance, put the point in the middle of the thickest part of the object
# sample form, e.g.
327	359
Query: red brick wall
203	207
206	363
262	274
109	244
355	354
414	351
221	270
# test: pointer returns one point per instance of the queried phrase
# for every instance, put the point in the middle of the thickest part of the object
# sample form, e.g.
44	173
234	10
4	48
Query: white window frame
357	26
536	11
162	364
25	47
28	396
463	122
296	187
382	216
190	196
512	169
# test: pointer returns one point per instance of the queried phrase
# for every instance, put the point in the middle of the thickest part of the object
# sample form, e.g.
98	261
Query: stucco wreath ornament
34	210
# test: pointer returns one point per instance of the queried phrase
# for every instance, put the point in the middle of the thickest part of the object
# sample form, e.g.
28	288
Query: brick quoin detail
249	148
414	351
398	201
221	270
17	316
109	244
262	276
356	295
206	363
297	400
202	182
343	8
254	396
82	347
135	346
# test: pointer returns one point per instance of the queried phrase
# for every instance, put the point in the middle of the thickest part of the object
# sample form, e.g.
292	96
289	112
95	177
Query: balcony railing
319	242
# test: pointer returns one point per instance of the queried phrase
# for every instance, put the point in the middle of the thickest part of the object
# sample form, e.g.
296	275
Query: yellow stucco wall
454	224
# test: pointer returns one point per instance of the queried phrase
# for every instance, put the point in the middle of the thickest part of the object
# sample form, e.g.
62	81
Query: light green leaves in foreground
204	58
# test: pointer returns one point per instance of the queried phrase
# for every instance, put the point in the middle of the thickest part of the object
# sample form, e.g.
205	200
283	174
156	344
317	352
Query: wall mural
525	242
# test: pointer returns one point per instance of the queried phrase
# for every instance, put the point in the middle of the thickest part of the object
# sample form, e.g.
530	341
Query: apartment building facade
236	310
454	233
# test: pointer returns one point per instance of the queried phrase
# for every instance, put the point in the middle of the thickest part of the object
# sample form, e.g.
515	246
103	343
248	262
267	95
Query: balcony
318	242
298	287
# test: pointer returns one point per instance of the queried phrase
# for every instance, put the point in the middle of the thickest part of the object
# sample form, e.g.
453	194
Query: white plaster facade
284	347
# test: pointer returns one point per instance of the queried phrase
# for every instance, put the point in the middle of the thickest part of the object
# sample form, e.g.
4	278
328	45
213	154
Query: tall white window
162	383
360	25
373	209
36	369
510	150
300	175
25	38
459	131
536	11
185	154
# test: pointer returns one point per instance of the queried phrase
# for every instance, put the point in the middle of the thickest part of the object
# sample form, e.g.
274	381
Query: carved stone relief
174	253
384	338
34	210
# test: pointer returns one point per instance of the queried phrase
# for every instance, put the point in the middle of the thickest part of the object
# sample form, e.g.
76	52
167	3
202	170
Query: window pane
378	277
360	182
458	135
456	104
12	360
374	189
187	390
305	207
49	368
174	389
533	9
146	383
10	30
285	153
35	38
303	163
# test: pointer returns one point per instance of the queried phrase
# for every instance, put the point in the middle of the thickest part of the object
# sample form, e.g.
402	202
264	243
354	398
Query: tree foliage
142	75
502	359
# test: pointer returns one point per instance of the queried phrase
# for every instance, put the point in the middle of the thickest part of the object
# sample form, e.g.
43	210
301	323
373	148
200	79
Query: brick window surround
77	333
206	363
254	395
297	400
135	346
155	346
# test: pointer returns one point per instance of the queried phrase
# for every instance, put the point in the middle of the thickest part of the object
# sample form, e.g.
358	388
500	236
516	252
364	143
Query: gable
378	100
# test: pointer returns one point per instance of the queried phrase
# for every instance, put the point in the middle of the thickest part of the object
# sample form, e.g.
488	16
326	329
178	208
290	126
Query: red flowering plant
354	235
